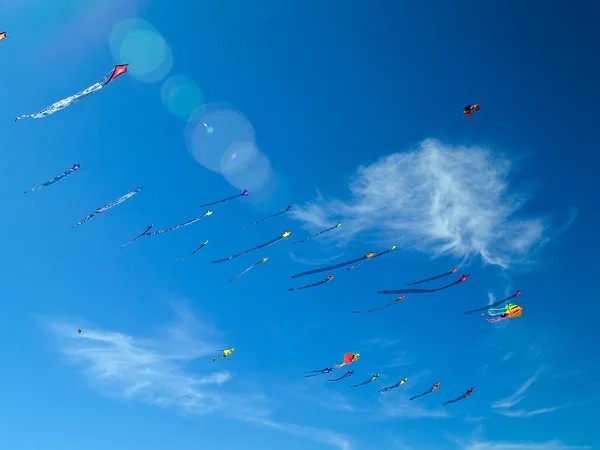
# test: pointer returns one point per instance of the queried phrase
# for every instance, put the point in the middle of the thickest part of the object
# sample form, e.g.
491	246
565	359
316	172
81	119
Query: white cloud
503	445
519	394
491	298
401	408
523	413
435	198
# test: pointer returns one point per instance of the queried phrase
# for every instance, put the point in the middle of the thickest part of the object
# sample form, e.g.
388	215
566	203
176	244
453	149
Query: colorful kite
208	213
316	283
262	261
468	110
65	174
110	205
370	380
399	299
289	208
465	395
266	244
508	312
500	302
314	373
225	354
349	358
143	233
336	266
79	330
433	278
376	256
197	248
346	375
2	35
424	291
398	384
339	224
243	194
428	391
66	102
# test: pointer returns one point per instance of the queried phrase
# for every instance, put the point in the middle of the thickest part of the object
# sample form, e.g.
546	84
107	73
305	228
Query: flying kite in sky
316	283
428	391
266	244
376	256
469	109
424	291
339	224
336	266
225	354
370	380
110	205
208	213
507	312
465	395
183	396
398	384
256	222
262	261
433	278
143	233
2	35
346	375
499	302
348	359
65	174
66	102
243	194
79	330
399	299
197	248
314	373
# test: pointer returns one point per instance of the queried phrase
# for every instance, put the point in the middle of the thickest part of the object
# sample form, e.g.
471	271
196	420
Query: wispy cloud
491	298
403	409
523	413
504	445
438	199
519	394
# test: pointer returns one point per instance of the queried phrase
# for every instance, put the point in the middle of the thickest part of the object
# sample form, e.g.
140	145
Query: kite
508	312
243	194
197	248
316	283
110	205
183	396
143	233
500	302
208	213
376	256
346	375
370	380
469	109
266	244
433	278
314	373
424	291
428	391
398	384
348	359
225	354
262	261
465	395
289	208
119	69
79	330
2	35
380	307
65	174
339	224
336	266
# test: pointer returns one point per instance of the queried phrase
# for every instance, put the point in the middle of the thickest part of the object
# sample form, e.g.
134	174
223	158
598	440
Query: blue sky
348	111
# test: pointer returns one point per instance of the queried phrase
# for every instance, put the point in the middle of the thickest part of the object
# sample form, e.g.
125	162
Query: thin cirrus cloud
152	371
438	199
503	445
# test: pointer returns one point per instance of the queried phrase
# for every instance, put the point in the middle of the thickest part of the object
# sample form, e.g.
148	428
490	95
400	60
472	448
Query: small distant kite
143	233
314	373
66	102
349	358
398	384
465	395
428	391
509	311
468	111
339	224
500	302
346	375
376	256
59	177
243	194
225	354
110	205
79	330
336	266
370	380
183	396
433	278
316	283
399	299
2	35
424	291
197	248
284	235
208	213
262	261
283	211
